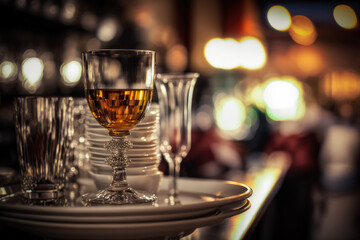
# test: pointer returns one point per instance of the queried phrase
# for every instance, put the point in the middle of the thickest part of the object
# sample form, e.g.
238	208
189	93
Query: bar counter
265	178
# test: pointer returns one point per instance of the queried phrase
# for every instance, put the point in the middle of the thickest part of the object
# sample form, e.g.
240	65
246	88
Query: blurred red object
210	156
303	148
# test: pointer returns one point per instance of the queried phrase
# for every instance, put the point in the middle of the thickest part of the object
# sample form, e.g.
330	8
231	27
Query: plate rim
139	210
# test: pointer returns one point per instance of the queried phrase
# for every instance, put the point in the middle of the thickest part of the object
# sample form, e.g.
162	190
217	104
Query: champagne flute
119	89
175	92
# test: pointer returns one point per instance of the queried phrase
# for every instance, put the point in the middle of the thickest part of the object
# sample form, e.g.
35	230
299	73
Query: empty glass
175	91
43	129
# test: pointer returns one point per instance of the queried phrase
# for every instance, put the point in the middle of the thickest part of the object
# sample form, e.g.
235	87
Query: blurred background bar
274	76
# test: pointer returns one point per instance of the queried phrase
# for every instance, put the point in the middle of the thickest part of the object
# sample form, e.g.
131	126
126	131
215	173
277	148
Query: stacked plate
144	156
204	202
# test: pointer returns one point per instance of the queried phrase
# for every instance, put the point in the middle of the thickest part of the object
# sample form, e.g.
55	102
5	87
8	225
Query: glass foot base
44	192
121	197
172	200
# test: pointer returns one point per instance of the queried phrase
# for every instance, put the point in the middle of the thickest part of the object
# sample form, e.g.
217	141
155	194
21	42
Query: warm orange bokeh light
341	85
309	60
176	58
302	30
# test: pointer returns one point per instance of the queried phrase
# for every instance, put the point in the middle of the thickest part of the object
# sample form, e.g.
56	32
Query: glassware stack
143	171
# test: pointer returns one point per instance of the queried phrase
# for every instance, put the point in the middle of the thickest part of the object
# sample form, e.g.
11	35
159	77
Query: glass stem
174	170
119	181
118	161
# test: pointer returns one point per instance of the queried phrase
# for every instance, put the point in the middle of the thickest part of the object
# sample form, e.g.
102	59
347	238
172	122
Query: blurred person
302	140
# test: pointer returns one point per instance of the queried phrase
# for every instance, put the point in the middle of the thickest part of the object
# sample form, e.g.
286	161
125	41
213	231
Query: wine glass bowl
119	110
119	88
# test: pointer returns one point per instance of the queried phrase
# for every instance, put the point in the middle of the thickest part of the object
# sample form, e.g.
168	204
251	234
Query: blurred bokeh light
71	72
204	117
341	85
230	116
302	30
108	29
8	71
248	53
345	16
32	70
222	53
279	18
309	60
283	99
69	11
255	95
252	53
230	113
176	58
89	21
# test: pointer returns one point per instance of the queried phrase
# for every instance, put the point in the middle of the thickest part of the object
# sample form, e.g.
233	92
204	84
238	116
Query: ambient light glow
69	11
341	85
176	58
222	53
32	69
302	30
107	30
253	55
248	53
255	96
71	72
345	16
8	71
230	113
283	99
204	117
310	60
279	18
88	21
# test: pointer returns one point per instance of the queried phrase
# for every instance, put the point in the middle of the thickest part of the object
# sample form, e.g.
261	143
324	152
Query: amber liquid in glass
119	110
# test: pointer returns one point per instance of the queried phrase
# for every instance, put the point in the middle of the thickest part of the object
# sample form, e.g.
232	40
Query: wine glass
119	89
175	91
